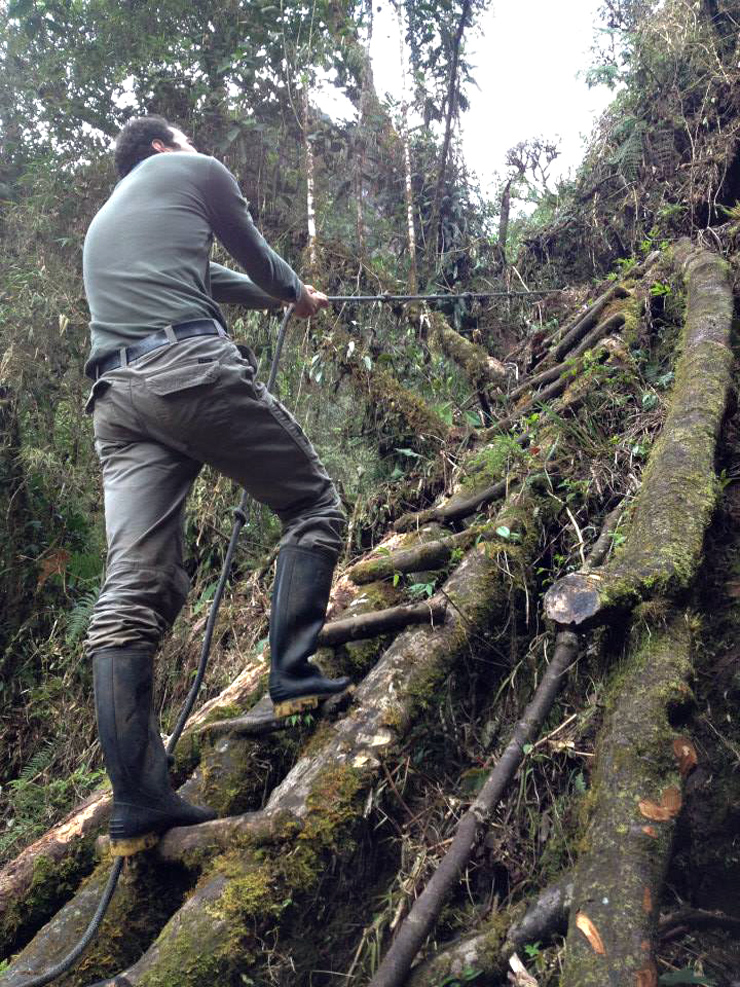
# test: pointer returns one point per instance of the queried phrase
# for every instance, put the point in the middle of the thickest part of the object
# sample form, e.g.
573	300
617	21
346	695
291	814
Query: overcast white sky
526	61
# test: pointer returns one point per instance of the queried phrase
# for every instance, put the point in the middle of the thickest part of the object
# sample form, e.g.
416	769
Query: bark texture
675	503
481	369
635	799
426	555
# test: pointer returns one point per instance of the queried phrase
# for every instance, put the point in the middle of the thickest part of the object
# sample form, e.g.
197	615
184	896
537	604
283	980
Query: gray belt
127	354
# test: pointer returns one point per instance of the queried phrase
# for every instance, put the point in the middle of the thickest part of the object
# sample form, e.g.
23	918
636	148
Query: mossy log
611	324
459	507
634	801
481	369
400	414
243	892
425	556
674	505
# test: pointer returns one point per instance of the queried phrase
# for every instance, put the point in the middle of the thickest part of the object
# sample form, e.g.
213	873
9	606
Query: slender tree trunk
362	135
310	182
452	94
413	283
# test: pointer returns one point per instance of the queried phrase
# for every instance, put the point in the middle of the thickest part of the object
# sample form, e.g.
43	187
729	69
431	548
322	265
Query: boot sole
291	706
134	844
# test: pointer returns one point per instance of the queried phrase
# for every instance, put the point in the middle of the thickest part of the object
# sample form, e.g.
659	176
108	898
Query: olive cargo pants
157	421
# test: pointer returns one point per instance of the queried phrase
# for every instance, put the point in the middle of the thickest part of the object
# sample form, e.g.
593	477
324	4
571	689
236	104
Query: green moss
405	415
635	762
51	884
489	465
249	896
632	309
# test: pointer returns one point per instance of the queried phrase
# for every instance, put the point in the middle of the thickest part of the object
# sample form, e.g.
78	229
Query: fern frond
80	616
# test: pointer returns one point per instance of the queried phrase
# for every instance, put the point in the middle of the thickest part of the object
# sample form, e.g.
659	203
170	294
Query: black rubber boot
144	804
299	600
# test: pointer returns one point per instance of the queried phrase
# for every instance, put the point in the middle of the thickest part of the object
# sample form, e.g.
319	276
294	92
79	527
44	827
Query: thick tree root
635	799
678	491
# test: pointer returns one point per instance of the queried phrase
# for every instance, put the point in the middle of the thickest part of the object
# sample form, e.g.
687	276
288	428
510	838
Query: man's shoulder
196	164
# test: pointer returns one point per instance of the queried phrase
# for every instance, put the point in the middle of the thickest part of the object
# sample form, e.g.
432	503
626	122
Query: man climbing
172	393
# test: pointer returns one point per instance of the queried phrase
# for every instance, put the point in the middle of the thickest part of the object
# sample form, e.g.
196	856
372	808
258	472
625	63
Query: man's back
145	260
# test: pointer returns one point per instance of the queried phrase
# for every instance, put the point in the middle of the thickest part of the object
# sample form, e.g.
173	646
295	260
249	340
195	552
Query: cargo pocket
96	391
183	378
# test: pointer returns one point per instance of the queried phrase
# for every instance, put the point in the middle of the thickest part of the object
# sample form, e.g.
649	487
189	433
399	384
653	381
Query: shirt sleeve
231	287
233	226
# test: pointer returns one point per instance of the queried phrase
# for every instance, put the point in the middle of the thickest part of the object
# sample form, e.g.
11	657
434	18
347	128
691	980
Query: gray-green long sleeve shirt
146	255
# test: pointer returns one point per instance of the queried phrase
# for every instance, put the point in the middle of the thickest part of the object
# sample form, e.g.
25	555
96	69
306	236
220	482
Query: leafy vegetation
395	420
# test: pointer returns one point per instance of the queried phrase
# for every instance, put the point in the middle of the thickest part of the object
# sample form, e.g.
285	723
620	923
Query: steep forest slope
535	778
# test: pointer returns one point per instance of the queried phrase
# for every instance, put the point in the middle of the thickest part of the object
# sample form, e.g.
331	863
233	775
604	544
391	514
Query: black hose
440	297
71	958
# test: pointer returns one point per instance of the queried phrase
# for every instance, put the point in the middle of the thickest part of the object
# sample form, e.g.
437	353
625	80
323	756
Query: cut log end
574	600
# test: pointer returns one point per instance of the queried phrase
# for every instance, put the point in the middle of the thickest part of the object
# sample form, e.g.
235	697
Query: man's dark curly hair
134	143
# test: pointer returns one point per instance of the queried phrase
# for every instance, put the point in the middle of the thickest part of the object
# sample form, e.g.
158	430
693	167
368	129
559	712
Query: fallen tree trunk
425	556
399	413
457	508
381	622
675	502
607	326
481	369
635	799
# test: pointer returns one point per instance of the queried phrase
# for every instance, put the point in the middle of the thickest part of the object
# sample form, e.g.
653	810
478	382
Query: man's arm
231	287
233	226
